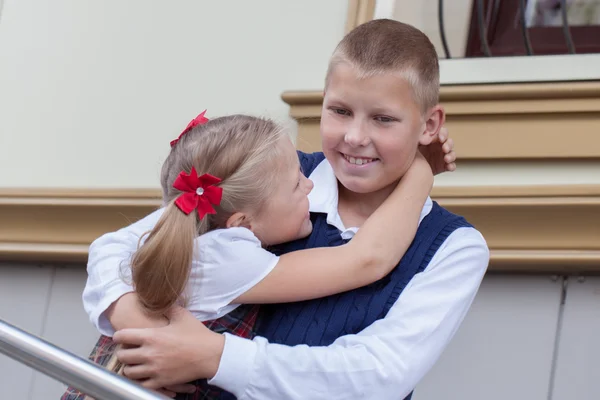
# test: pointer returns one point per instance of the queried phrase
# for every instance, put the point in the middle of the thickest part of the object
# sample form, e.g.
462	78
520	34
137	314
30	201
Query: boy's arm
386	360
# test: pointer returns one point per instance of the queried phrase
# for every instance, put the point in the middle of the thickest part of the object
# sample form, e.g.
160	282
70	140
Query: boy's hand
440	153
183	351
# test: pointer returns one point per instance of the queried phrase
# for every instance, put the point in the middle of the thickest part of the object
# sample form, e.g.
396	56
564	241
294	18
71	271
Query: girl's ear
434	122
238	220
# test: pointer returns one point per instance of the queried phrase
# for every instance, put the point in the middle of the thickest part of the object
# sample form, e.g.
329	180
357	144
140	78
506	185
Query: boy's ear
238	220
435	119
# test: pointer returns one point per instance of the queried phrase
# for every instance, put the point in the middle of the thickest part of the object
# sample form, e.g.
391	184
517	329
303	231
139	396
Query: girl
231	187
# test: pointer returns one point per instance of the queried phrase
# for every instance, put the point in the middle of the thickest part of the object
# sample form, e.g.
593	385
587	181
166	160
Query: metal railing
67	368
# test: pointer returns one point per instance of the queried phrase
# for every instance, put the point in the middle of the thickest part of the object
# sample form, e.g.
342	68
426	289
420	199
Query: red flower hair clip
199	193
199	120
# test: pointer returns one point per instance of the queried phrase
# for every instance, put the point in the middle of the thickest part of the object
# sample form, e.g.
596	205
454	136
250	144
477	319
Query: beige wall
92	92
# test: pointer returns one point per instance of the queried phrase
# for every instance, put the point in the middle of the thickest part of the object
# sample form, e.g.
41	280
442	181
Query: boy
380	105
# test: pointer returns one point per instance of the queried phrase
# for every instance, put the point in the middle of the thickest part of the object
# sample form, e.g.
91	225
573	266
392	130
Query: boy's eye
340	111
385	119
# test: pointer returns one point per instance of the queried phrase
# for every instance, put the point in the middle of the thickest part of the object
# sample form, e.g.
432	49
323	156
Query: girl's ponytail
161	266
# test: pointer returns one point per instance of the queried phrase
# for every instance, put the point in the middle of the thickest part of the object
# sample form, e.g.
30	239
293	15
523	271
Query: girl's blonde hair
239	150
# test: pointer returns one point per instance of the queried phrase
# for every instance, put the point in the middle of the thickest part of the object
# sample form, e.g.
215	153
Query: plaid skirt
240	322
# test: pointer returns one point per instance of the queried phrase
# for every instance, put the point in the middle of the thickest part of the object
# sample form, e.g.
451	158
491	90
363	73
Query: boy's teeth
358	161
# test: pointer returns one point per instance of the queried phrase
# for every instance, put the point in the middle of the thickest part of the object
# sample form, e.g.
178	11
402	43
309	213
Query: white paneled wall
45	301
506	348
578	361
24	293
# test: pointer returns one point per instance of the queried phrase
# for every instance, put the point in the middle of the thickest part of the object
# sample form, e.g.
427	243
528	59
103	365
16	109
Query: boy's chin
366	185
361	185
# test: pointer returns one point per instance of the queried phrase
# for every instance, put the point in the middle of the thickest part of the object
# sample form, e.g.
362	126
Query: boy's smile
358	160
371	128
357	166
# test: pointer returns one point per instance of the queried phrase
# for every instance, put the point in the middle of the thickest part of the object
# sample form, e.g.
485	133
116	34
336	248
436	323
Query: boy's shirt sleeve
384	361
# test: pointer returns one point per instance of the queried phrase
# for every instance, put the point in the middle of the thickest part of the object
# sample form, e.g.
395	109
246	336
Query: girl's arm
127	312
108	288
373	253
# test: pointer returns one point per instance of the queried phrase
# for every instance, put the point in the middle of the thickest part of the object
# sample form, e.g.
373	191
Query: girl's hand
420	172
440	153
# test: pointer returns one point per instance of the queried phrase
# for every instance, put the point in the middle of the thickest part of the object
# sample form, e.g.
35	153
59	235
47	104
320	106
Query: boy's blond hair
384	46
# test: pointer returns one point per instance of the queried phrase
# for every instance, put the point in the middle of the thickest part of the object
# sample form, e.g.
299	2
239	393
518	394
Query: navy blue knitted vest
320	322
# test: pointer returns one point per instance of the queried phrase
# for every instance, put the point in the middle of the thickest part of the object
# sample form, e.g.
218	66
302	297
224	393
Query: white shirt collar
324	198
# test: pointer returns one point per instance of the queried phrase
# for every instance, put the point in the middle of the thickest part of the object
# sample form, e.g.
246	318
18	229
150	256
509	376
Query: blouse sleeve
109	269
227	263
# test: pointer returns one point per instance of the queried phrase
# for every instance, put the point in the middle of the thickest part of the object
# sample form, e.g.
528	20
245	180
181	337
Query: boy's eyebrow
337	100
386	110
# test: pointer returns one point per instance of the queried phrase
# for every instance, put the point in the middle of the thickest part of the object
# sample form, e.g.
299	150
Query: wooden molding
497	122
359	12
529	229
533	228
58	225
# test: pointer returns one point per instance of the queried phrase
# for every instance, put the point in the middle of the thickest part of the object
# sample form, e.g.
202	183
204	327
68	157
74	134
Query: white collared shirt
324	199
387	359
226	264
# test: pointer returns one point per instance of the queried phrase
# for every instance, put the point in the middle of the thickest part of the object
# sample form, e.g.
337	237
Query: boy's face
370	128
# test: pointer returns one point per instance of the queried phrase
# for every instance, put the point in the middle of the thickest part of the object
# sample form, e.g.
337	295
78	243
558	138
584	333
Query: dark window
503	20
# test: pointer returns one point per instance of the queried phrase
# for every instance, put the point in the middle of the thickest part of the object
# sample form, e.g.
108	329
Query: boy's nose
356	140
356	136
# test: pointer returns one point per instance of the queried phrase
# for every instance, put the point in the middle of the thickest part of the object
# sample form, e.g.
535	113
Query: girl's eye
300	175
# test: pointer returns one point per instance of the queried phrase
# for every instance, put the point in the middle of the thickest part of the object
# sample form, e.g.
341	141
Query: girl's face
285	216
